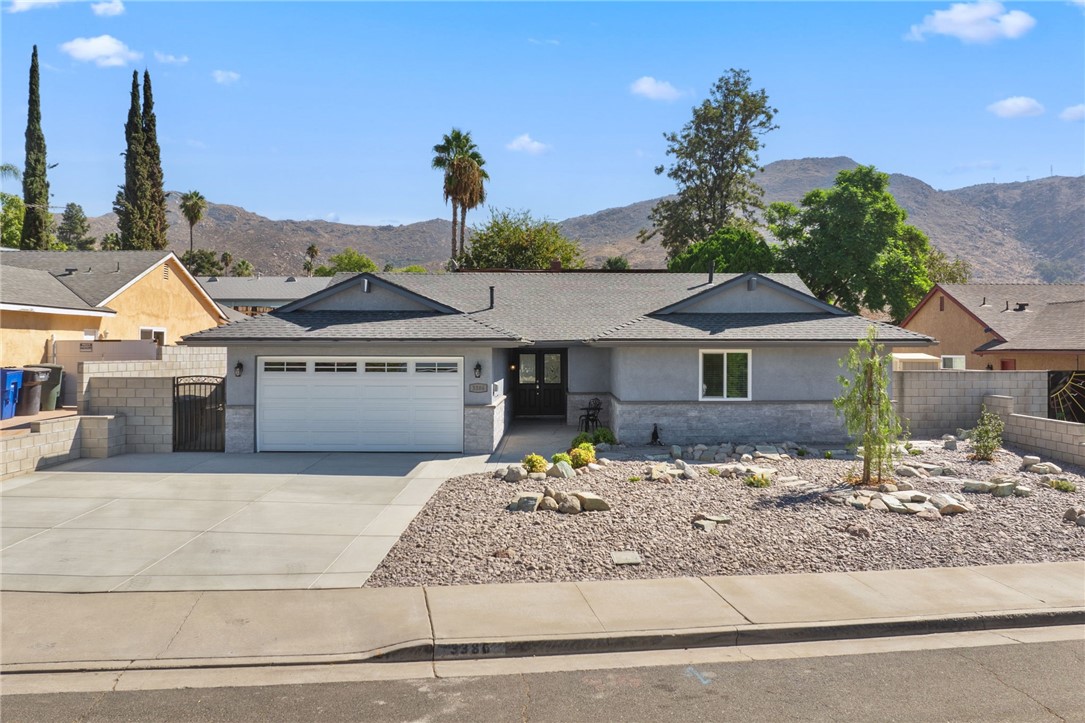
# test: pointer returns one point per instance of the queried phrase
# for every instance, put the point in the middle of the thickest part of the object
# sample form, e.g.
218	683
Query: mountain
1008	231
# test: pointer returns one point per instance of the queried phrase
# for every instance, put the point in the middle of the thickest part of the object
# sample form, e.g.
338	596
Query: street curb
730	636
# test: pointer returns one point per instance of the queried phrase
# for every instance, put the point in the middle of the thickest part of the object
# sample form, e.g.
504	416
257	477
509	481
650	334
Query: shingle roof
757	328
995	304
98	275
31	287
354	326
1059	326
282	289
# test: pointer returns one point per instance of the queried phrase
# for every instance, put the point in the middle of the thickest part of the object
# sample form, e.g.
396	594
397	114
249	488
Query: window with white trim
725	375
335	366
383	367
436	367
90	334
285	366
156	333
952	361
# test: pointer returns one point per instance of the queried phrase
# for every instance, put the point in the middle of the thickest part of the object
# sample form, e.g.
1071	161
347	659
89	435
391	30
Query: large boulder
688	470
548	504
561	470
949	505
515	473
591	503
526	502
570	506
975	485
1045	468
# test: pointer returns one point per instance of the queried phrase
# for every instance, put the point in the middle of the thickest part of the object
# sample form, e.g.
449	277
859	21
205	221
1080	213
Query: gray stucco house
444	362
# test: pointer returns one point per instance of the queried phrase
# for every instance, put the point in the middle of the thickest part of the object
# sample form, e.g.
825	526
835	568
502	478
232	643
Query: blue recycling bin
12	382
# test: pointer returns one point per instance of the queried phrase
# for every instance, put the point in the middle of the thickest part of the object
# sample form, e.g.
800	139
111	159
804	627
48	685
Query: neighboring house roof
757	328
551	308
268	290
1020	315
33	290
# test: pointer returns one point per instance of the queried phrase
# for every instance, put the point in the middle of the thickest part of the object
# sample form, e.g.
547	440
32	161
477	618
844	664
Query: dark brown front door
540	383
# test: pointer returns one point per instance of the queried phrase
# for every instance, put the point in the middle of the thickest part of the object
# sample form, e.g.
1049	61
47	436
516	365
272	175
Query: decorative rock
657	472
1080	521
893	504
833	499
719	519
593	467
914	507
1028	460
704	525
909	496
560	496
746	458
1002	490
602	447
570	506
859	502
1022	491
676	451
975	485
526	502
907	472
1045	468
500	472
744	449
591	503
964	433
548	504
536	475
948	471
950	444
561	470
515	473
859	531
625	557
1073	513
930	515
949	505
948	438
887	487
877	504
603	462
549	491
688	471
904	486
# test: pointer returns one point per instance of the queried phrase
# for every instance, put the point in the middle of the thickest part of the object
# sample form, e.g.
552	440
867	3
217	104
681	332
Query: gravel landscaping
465	534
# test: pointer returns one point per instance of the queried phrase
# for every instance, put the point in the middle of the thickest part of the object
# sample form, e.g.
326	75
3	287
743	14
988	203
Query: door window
552	369
527	369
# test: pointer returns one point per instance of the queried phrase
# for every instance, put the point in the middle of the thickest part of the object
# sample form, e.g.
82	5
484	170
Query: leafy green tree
193	204
202	263
242	268
733	249
37	229
464	178
349	261
130	204
11	220
940	270
413	269
987	435
110	242
515	240
74	230
868	411
10	170
851	245
155	201
715	162
615	263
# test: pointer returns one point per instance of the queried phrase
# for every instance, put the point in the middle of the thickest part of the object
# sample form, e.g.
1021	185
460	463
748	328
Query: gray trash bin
50	388
30	397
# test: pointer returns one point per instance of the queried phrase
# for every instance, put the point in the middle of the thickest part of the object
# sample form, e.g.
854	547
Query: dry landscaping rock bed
465	534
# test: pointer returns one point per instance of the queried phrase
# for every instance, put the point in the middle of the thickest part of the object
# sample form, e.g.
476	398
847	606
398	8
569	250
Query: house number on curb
470	650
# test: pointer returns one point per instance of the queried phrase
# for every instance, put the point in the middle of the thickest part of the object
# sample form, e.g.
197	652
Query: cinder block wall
1062	441
55	441
938	402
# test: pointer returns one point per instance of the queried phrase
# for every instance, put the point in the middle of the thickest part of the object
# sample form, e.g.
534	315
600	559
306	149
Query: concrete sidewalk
49	632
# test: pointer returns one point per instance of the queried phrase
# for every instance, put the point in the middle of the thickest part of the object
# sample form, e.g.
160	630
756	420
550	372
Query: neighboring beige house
1004	326
48	296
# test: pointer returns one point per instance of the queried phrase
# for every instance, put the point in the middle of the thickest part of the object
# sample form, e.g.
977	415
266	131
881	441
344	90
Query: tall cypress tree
155	202
38	222
129	204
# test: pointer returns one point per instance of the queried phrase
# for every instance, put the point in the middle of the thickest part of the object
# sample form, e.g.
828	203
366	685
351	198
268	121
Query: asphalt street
1024	682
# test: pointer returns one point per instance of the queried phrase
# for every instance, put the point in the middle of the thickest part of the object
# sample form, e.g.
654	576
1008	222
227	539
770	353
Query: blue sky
330	110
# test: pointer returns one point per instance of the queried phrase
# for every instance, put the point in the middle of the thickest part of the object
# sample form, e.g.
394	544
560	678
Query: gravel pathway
464	535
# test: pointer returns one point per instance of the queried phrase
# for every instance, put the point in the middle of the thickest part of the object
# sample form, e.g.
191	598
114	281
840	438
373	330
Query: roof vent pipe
751	283
365	286
118	269
1007	305
711	270
984	303
1021	306
491	297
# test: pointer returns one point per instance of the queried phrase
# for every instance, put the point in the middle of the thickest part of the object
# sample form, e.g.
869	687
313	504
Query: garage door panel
378	410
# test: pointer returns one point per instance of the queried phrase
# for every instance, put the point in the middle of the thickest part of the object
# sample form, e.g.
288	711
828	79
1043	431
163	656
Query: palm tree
310	259
193	204
227	258
458	156
10	170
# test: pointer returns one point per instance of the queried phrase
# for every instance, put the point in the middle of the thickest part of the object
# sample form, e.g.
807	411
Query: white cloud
1074	112
980	22
1017	106
654	89
526	144
225	77
21	6
105	51
108	9
168	59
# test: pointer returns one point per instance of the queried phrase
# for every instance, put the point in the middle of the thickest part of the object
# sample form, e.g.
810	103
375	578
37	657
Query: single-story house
49	296
1004	326
253	295
443	362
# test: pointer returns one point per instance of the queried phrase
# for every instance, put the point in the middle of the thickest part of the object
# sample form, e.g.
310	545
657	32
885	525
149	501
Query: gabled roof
1058	327
39	291
280	289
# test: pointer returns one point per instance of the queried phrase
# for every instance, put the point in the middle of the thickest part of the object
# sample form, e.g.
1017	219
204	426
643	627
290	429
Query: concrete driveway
194	521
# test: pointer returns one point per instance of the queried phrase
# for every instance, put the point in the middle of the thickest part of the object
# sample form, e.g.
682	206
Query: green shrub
580	457
758	480
536	463
1063	485
802	452
828	454
915	452
987	436
603	435
634	479
581	439
561	457
713	471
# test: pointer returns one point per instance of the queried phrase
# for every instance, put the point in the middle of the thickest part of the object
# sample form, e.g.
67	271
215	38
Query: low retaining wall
55	441
1062	441
938	402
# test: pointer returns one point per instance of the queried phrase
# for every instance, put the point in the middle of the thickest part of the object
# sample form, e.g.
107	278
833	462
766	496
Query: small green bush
581	439
802	452
561	457
634	479
713	471
536	463
1063	485
987	436
758	480
603	435
828	454
915	452
580	457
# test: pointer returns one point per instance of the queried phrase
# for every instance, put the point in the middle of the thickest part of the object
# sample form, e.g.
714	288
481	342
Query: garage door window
336	367
385	367
285	366
436	367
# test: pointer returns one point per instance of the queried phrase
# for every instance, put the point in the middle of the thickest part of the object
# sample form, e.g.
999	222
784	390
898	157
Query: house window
725	375
285	366
952	362
385	367
341	367
90	334
155	333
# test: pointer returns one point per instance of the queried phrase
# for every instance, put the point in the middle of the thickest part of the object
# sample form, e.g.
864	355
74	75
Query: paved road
1025	682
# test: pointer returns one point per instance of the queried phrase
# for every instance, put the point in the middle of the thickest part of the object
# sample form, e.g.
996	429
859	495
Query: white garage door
359	404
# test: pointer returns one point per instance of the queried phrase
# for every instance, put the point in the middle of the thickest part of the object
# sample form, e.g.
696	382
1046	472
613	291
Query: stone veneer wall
1063	441
575	404
700	422
938	402
483	426
55	441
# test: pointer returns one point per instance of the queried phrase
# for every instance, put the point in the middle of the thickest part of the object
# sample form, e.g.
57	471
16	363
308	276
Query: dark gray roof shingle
995	304
757	328
31	287
231	289
1059	326
98	274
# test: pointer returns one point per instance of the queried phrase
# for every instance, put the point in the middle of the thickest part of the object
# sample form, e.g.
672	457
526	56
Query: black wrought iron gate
199	414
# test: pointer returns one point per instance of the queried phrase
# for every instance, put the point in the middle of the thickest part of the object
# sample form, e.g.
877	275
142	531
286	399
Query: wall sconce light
239	369
478	370
512	367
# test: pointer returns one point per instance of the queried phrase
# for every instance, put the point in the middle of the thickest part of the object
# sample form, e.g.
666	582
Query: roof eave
195	340
752	342
56	310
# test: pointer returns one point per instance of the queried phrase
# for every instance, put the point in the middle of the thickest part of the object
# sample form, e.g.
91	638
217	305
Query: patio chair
589	420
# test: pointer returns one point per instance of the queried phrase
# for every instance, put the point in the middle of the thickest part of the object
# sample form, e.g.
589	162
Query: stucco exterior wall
26	337
740	299
1052	361
957	332
589	370
377	299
